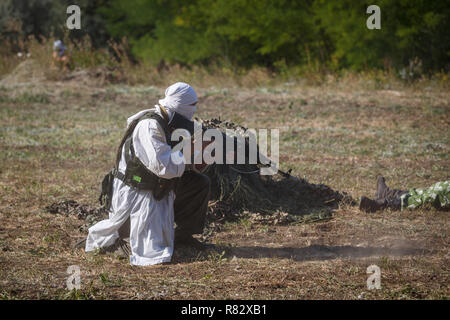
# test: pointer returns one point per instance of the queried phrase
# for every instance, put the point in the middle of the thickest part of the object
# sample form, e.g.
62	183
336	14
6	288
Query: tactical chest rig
137	175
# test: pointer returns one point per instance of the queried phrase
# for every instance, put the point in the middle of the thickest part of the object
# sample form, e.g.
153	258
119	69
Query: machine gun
180	122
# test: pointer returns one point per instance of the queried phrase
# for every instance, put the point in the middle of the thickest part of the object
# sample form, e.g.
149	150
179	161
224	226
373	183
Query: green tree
409	29
241	32
22	18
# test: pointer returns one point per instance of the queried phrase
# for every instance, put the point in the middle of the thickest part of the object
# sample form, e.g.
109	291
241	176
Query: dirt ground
58	139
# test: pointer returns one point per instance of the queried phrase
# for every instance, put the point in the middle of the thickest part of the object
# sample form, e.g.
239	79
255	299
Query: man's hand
200	167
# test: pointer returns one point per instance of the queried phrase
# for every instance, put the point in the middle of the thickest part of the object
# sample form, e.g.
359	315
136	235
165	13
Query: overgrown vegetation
222	39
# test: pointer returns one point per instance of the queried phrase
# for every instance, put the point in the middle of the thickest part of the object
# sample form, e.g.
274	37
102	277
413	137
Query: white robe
151	221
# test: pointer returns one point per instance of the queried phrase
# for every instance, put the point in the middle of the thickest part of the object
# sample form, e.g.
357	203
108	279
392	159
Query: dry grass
121	68
57	139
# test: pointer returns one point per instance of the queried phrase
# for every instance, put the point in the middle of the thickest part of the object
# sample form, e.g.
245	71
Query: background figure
59	54
437	195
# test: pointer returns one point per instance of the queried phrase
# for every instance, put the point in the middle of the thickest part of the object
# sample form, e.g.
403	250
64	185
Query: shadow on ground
309	253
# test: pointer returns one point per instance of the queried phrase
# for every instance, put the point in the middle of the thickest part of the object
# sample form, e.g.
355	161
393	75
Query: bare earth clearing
58	139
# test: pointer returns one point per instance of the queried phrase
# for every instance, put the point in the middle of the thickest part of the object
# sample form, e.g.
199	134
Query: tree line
270	33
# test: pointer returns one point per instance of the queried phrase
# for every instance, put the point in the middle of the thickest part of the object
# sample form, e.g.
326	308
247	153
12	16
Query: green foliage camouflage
330	35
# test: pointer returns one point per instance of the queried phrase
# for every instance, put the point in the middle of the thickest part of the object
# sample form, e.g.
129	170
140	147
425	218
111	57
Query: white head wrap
58	45
180	98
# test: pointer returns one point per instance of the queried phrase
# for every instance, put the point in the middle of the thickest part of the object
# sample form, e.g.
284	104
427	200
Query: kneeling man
151	191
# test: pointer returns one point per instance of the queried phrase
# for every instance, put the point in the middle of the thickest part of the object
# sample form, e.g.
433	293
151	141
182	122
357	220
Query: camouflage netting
273	199
235	192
